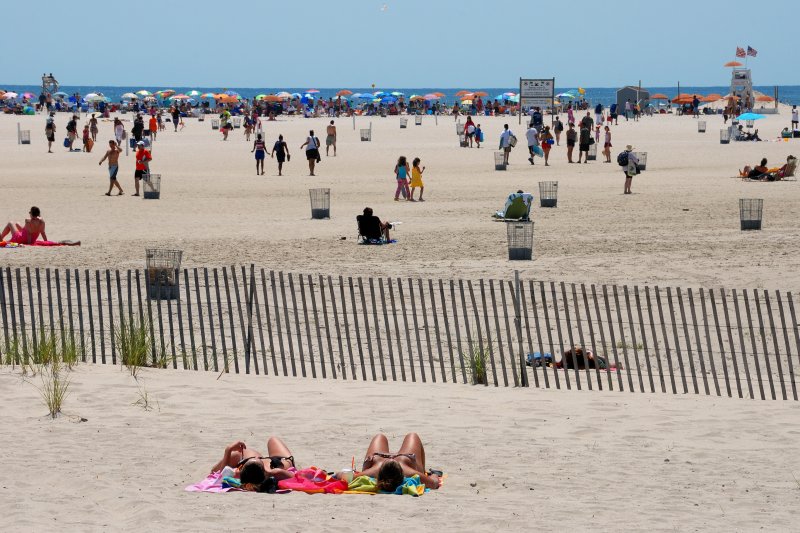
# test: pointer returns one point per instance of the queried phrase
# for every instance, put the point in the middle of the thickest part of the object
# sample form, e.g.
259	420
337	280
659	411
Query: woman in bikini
391	469
256	472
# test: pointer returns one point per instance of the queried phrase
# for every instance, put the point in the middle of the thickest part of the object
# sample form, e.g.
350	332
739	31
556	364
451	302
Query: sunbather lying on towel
581	359
390	469
256	472
756	171
30	232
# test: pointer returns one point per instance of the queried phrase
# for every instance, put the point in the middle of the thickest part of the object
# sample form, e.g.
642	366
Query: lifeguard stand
742	84
49	84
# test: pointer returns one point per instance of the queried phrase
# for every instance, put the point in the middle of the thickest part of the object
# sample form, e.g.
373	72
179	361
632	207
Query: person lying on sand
581	359
755	172
258	473
391	469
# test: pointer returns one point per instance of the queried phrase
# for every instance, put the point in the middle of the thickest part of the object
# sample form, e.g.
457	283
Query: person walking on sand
330	138
93	127
401	172
506	142
138	128
584	141
546	139
312	151
607	145
260	148
280	151
631	168
478	135
532	136
794	117
598	113
143	158
113	167
153	125
50	132
416	179
119	131
572	139
176	118
72	131
558	128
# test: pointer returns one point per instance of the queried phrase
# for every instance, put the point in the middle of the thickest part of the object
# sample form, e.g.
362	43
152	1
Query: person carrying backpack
630	166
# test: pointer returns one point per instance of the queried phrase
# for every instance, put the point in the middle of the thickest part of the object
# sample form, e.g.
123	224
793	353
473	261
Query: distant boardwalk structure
736	343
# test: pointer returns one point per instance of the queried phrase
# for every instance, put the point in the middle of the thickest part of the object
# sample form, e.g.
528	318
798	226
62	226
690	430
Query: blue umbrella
388	100
365	96
397	93
750	116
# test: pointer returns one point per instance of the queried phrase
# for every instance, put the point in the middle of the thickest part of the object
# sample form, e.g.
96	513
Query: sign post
536	93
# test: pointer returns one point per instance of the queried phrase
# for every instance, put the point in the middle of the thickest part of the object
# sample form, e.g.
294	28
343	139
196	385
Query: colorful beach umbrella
179	97
129	96
764	98
144	93
732	64
659	96
398	93
28	95
208	96
61	94
462	92
312	91
750	116
713	97
10	95
344	92
284	95
431	96
481	93
193	93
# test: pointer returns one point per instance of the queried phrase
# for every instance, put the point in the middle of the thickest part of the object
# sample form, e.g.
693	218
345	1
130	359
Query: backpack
622	159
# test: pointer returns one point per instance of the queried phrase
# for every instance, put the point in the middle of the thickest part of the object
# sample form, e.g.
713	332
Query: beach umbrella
179	97
764	98
193	93
296	95
568	96
344	92
481	93
207	96
28	95
732	64
230	93
750	116
388	99
659	96
398	93
366	96
260	96
272	98
509	94
61	94
713	97
143	93
306	99
466	101
226	98
165	93
94	97
10	95
284	95
431	96
462	92
129	96
416	97
514	98
312	91
378	94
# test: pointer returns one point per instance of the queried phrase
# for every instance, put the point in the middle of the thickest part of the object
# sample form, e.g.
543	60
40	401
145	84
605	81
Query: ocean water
789	94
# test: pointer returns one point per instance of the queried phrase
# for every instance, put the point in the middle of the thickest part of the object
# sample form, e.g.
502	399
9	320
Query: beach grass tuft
476	361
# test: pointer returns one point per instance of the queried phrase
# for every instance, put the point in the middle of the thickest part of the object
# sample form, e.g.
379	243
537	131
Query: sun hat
140	143
629	147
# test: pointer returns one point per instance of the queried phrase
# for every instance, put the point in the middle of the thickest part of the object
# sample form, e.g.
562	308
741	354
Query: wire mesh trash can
163	279
750	212
151	187
592	152
403	122
462	140
459	128
748	123
25	137
214	123
701	126
520	240
320	203
499	161
201	117
237	122
366	135
724	136
548	194
642	157
418	120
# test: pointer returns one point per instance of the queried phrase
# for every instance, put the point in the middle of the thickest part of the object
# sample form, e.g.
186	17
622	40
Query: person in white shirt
794	117
532	136
312	151
505	142
631	169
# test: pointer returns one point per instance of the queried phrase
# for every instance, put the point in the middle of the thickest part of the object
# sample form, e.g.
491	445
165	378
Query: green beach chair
518	209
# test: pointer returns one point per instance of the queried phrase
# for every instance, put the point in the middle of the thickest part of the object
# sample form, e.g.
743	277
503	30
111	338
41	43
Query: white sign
536	93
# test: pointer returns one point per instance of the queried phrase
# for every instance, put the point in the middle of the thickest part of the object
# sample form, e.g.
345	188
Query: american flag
752	52
740	52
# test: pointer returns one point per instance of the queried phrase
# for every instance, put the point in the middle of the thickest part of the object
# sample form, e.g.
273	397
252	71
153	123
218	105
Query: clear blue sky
407	43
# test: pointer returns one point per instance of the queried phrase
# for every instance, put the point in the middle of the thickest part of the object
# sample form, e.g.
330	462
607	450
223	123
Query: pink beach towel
212	483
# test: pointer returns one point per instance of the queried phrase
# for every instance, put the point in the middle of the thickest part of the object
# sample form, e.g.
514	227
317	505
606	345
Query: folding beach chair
369	230
519	209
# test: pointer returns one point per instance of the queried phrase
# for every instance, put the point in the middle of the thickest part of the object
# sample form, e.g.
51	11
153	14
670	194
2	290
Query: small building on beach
634	94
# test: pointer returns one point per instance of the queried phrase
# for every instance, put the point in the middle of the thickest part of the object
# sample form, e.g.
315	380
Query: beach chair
369	230
519	209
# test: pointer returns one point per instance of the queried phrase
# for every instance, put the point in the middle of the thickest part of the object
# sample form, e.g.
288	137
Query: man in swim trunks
330	140
252	468
27	234
143	159
113	166
390	469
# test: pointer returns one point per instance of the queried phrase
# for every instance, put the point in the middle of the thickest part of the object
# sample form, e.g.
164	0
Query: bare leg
421	192
413	444
311	164
379	443
8	229
276	447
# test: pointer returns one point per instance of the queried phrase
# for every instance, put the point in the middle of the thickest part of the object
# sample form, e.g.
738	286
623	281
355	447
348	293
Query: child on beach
478	137
416	179
401	172
87	139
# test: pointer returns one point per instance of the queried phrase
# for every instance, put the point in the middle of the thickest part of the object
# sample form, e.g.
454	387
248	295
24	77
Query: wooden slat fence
737	343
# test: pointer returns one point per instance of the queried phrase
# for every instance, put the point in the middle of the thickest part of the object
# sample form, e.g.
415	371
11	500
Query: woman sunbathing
755	172
391	469
256	472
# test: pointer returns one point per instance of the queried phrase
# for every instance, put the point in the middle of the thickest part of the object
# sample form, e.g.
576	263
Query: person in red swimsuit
28	233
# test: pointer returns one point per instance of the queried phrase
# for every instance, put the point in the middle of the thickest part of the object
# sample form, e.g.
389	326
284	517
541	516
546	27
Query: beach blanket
5	244
411	486
212	483
313	480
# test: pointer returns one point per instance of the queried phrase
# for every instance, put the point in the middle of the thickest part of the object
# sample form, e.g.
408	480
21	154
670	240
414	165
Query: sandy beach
516	459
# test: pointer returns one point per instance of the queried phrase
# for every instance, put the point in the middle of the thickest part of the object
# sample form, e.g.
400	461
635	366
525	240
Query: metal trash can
724	136
592	152
25	137
750	213
237	122
162	277
320	203
499	161
548	194
459	128
403	123
520	240
151	187
214	123
701	126
462	140
366	135
418	120
201	117
642	157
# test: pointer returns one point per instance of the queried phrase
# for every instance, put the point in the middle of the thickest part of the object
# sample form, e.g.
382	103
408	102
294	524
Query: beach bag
512	141
622	159
538	151
591	141
66	142
481	136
